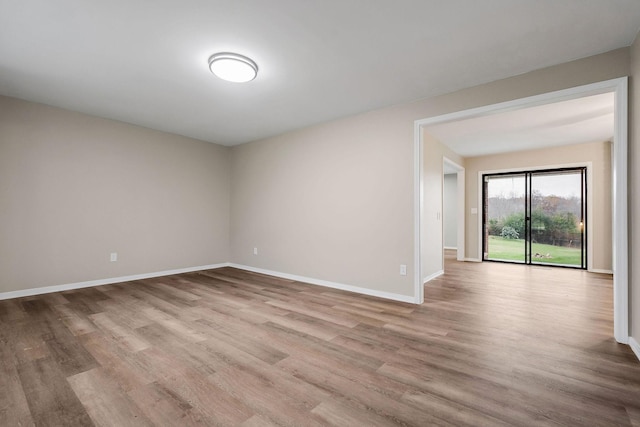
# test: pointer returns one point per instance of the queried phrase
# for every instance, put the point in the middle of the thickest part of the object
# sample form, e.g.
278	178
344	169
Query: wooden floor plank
100	394
129	371
124	335
11	310
272	401
163	407
334	413
77	323
218	406
493	344
51	400
14	409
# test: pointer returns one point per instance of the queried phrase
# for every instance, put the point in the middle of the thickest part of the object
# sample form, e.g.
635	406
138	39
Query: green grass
513	250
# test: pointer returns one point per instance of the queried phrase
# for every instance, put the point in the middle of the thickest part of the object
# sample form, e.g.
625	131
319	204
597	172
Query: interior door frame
460	210
619	87
587	246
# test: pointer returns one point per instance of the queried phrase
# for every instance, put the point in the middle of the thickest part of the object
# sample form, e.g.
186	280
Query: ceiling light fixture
233	67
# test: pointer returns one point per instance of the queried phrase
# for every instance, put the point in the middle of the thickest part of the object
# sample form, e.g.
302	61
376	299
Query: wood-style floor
494	344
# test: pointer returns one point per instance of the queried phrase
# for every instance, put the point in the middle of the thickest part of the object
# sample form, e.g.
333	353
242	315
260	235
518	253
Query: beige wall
328	202
634	191
335	201
599	154
74	188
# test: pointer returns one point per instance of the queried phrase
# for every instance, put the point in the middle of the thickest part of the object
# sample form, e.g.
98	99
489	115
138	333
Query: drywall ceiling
578	121
146	62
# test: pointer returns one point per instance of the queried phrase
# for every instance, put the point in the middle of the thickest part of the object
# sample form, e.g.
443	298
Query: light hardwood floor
494	344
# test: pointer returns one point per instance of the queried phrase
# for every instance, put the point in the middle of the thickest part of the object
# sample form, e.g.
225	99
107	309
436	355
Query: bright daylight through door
536	217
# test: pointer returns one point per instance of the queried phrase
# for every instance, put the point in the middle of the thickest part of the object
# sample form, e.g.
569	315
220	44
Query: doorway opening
536	217
619	88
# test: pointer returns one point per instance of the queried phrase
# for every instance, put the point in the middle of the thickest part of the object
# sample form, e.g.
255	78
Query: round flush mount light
233	67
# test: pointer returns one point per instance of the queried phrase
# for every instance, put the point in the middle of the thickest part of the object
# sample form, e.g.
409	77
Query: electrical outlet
114	256
255	251
403	270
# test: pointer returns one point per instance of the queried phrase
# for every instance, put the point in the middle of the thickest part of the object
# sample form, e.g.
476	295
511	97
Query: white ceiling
145	62
578	121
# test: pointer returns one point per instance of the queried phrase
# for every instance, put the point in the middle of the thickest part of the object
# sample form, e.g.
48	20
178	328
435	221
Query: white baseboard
90	283
99	282
433	276
453	248
635	347
596	270
472	260
334	285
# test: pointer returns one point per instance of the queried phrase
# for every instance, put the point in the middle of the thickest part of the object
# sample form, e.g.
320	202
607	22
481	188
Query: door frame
588	231
617	86
460	210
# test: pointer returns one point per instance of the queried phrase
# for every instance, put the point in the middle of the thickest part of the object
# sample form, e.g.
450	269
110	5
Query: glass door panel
504	217
557	218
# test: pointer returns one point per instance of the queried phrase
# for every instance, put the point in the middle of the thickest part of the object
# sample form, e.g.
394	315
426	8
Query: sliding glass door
536	217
